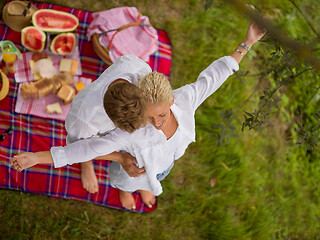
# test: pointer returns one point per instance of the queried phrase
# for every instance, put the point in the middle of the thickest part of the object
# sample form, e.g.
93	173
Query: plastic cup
9	58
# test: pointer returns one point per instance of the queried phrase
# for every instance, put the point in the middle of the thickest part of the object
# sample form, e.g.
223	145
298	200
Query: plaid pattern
32	133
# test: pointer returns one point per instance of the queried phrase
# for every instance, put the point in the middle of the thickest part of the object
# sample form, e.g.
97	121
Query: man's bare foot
88	177
127	200
148	198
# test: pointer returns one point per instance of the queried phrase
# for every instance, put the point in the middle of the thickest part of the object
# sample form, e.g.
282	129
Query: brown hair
126	106
156	88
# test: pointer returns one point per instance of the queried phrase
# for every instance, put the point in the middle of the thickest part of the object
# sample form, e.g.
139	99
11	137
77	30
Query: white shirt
148	144
87	116
157	156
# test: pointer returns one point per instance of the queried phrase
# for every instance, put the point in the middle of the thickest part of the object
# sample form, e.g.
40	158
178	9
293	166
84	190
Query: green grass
266	188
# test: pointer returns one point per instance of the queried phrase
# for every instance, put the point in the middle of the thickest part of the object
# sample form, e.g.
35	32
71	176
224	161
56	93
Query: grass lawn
230	184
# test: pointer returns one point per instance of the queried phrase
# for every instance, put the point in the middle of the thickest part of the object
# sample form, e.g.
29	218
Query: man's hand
129	163
23	160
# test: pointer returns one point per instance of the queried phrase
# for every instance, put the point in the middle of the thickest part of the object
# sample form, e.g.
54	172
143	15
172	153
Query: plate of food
48	83
50	98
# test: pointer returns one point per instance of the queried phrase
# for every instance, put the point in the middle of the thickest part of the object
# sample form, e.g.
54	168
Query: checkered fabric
32	133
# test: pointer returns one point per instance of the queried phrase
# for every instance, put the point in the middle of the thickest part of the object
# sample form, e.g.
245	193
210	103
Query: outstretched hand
254	33
129	164
23	160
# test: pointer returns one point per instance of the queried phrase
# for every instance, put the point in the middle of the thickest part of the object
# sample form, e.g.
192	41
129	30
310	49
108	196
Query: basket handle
132	24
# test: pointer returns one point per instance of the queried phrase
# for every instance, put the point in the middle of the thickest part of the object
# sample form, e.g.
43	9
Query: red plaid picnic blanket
32	133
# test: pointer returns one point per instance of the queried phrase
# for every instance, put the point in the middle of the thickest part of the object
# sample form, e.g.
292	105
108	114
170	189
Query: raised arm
254	34
219	71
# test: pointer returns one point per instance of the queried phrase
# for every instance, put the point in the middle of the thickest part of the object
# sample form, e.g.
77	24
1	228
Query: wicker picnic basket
103	52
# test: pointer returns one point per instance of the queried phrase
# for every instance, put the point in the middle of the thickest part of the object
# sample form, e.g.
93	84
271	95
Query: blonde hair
125	105
156	88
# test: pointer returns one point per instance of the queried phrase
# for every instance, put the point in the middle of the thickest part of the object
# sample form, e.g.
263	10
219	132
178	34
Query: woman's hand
254	34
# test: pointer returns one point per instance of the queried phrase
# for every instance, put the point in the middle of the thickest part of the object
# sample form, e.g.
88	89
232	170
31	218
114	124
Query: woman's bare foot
127	200
88	177
148	198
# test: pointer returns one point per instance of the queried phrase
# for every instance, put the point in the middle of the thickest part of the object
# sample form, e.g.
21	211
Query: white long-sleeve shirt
148	144
87	117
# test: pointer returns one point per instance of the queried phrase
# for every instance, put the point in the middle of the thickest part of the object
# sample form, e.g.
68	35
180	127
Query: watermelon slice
33	38
63	43
49	20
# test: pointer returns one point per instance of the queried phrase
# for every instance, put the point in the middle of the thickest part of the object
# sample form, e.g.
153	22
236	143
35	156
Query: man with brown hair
87	116
125	105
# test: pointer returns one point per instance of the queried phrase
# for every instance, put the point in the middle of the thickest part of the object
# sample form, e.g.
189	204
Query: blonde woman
170	130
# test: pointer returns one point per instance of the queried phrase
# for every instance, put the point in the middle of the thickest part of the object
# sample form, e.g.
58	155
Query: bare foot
127	200
148	198
23	160
88	177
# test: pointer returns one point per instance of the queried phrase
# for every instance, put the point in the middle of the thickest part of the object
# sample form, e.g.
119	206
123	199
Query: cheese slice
68	65
74	67
54	108
36	76
65	65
